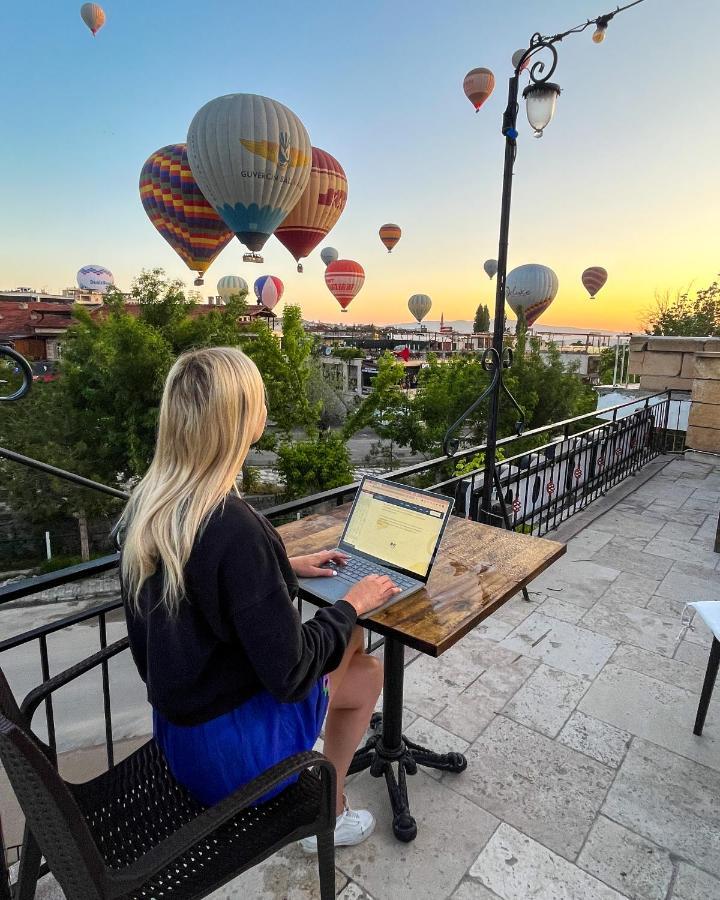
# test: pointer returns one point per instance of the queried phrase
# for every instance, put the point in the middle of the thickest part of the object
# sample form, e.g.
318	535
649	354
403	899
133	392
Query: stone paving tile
670	494
681	586
594	738
669	513
473	890
587	542
546	700
561	609
653	710
432	736
683	552
561	645
626	522
627	555
578	581
450	831
515	611
677	531
696	656
635	590
353	892
290	874
670	800
550	791
633	625
639	869
693	884
470	713
518	868
493	629
700	502
671	671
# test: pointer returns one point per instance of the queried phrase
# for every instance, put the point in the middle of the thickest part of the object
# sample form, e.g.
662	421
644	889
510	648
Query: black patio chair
134	832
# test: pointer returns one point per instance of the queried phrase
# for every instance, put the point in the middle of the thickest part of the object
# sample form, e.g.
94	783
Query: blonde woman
236	681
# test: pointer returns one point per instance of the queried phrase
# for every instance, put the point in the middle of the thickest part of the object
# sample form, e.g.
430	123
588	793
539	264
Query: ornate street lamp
540	99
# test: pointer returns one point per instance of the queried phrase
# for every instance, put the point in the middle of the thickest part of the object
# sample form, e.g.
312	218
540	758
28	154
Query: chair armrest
185	838
42	691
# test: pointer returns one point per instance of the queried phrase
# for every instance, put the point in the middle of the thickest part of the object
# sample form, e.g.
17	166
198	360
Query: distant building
68	295
35	328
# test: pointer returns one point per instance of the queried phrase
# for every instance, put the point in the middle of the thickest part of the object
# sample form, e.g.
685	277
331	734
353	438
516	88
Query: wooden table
477	569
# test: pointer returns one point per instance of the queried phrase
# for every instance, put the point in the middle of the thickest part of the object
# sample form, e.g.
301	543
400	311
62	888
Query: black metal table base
388	747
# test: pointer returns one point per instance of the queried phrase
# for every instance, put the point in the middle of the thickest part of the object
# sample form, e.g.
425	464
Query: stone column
704	422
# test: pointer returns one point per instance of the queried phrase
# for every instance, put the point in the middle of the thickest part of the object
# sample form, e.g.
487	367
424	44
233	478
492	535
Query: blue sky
625	176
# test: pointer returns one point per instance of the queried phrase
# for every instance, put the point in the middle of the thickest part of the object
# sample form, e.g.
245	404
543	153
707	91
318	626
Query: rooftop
575	711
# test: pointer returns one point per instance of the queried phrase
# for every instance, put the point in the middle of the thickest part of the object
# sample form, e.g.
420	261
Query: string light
599	34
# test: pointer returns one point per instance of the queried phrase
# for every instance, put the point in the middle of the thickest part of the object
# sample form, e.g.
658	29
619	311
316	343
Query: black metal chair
134	832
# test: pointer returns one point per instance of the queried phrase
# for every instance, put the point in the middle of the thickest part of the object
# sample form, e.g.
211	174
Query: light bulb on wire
599	34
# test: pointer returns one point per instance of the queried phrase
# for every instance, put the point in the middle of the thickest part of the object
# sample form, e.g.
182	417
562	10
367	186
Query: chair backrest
49	808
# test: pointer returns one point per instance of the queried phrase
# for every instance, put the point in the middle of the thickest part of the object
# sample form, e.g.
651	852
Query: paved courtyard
584	780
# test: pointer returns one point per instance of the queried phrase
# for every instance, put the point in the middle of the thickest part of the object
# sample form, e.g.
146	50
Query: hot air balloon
517	56
93	16
419	305
344	278
390	234
531	289
491	267
95	278
176	207
268	290
593	279
251	157
478	85
317	210
232	286
328	255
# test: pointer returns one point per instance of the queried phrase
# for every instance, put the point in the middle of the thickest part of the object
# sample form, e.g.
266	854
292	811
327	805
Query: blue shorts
215	758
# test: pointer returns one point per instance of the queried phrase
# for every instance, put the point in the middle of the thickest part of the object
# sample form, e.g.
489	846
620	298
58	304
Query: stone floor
584	780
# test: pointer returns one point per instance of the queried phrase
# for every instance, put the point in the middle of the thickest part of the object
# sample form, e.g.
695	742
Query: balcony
575	709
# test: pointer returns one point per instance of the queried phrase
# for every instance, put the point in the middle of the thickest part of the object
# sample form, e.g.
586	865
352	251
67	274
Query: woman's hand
371	592
317	565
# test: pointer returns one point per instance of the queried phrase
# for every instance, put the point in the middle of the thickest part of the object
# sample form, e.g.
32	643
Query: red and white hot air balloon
593	279
478	85
344	278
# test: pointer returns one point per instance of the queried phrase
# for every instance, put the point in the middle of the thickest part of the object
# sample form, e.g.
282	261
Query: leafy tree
317	464
482	319
379	409
686	316
333	411
348	353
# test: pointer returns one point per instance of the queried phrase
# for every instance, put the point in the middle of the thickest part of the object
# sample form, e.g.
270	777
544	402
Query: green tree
482	319
685	315
317	464
379	409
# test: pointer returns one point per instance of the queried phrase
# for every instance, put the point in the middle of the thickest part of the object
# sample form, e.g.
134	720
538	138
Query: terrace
575	710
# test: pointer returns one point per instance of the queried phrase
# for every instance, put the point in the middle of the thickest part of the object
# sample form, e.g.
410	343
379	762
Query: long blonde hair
210	411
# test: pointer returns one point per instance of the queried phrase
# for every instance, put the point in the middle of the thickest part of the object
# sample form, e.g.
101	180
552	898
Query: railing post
5	892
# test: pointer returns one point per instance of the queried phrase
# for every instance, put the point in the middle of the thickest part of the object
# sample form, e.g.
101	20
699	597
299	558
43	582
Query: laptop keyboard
357	568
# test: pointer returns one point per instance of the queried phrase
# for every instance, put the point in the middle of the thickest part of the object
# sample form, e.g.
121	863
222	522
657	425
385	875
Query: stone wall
704	422
667	362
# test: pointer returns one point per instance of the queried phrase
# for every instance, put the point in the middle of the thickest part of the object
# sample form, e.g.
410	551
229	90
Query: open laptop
392	530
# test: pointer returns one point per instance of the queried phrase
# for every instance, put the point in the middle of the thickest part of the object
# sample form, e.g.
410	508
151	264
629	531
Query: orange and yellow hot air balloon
344	278
317	210
478	85
390	234
93	16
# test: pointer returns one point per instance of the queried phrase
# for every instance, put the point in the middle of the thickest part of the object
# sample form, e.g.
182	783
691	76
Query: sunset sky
625	177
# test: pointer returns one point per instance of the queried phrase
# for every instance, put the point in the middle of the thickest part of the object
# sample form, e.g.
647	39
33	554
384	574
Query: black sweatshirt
237	631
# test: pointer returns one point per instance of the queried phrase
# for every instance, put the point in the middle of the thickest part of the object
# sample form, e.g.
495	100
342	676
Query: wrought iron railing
534	491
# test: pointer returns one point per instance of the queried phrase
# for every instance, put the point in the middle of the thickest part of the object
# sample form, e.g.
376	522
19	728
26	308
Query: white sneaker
352	826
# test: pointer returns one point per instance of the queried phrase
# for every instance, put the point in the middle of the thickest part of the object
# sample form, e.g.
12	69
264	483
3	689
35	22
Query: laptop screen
397	525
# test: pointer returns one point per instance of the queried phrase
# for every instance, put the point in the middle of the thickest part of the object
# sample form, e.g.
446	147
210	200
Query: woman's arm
318	565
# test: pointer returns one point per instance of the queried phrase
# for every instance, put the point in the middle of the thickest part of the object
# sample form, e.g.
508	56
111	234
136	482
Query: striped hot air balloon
232	286
593	279
390	234
344	278
531	289
177	208
93	16
268	290
478	85
317	210
419	305
251	157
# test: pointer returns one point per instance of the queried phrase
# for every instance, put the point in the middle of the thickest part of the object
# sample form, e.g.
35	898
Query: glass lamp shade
540	101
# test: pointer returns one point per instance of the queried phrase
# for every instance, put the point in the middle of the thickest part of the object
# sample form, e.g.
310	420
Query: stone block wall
667	362
704	421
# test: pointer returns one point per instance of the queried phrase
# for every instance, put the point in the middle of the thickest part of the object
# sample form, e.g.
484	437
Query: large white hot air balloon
419	305
328	255
95	278
232	286
251	157
531	289
491	267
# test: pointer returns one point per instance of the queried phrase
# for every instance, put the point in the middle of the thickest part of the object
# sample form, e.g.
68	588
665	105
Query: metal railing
534	491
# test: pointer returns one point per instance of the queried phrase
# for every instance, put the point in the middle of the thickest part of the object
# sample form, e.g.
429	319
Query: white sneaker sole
310	849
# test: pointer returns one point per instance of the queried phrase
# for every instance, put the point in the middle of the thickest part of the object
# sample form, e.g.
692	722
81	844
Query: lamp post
540	97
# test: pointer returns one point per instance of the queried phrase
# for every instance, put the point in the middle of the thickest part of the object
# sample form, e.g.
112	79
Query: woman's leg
354	688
